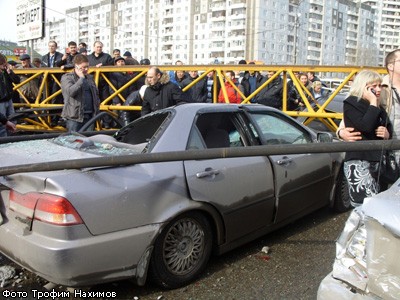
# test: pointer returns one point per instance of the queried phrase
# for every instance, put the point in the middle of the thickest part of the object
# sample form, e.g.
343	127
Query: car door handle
207	172
284	161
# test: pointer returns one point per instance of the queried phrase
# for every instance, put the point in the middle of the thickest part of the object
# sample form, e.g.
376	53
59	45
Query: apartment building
388	32
312	32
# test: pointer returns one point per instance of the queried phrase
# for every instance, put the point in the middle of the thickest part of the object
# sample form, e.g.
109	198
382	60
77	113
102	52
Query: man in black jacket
67	61
160	92
271	95
53	59
7	78
250	82
97	59
198	92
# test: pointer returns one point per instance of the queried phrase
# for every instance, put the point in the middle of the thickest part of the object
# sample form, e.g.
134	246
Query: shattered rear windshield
98	144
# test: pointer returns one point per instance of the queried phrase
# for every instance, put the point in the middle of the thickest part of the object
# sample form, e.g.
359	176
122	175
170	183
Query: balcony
218	7
219	17
168	21
238	4
313	48
167	50
352	13
237	26
314	39
312	57
316	21
350	44
352	21
237	47
168	13
168	3
166	41
239	53
237	32
236	39
315	28
217	47
218	26
217	54
351	38
238	16
218	39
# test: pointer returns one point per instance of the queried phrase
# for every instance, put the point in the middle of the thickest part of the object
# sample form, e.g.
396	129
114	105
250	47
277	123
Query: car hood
367	251
385	208
65	147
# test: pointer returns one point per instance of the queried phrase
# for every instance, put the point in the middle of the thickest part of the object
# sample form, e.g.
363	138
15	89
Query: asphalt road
299	257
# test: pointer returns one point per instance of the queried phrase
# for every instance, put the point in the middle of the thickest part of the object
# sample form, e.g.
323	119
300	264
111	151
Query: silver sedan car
86	225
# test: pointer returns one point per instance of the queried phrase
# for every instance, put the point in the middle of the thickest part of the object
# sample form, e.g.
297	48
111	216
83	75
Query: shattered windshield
144	130
98	144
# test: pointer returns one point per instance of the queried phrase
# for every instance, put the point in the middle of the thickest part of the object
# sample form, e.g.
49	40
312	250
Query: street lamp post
157	47
296	27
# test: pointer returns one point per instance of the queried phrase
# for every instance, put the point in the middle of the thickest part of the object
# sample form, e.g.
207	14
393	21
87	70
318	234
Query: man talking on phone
81	96
7	78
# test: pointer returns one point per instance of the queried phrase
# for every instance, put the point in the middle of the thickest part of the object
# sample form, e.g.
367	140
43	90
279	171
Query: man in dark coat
198	92
97	59
53	59
250	82
271	95
68	57
7	78
119	79
160	92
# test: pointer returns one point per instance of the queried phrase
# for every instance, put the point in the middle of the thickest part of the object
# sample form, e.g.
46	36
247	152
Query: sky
54	8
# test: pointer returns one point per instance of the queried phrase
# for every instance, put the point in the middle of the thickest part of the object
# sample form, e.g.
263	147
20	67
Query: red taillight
47	208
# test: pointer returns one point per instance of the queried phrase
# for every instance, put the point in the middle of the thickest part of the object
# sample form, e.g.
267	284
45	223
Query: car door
302	181
240	188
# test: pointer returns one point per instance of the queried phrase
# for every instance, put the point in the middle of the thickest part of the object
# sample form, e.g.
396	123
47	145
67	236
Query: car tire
181	251
342	197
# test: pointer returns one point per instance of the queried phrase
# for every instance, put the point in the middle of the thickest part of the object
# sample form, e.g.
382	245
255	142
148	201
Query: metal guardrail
37	116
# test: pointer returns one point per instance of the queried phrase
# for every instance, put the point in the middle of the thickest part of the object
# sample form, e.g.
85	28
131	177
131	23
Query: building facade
388	32
280	32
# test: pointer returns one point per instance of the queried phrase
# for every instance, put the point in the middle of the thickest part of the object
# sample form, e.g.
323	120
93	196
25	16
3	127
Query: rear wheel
342	197
182	251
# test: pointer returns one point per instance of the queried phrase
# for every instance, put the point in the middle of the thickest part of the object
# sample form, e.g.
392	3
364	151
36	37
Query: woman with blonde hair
317	90
362	111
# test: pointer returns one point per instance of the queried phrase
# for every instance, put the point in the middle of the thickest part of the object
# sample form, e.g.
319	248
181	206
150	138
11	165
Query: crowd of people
187	86
74	87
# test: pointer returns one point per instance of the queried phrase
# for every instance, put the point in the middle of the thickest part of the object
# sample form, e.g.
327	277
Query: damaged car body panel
88	225
366	264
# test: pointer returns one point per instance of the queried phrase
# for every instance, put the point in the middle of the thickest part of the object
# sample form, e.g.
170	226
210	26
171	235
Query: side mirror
324	137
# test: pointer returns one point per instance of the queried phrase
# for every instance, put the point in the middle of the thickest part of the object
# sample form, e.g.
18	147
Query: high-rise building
388	31
312	32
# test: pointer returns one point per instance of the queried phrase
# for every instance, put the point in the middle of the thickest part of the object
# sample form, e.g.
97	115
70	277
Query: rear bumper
84	260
